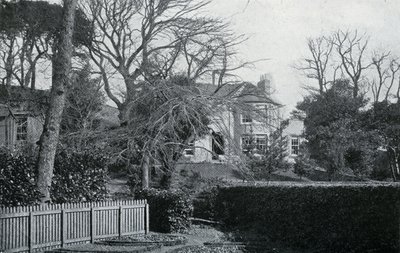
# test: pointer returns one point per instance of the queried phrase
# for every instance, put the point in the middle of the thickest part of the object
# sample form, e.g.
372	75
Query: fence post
63	227
92	225
120	221
32	231
146	218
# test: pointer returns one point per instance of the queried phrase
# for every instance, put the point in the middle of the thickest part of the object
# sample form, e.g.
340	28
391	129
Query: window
246	143
254	142
261	143
246	119
22	124
190	150
295	146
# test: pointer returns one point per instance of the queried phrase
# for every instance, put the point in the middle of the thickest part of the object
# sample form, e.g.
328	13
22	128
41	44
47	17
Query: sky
278	29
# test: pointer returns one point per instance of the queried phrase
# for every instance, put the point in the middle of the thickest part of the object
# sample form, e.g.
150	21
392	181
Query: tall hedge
331	218
170	210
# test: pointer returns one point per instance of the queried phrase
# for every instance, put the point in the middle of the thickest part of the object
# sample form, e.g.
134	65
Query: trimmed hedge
169	210
330	218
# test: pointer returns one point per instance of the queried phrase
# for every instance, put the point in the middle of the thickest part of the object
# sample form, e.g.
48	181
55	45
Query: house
21	115
232	130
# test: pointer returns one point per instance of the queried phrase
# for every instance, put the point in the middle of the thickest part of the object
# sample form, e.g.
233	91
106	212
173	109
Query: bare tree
351	48
379	63
61	71
317	66
139	40
394	67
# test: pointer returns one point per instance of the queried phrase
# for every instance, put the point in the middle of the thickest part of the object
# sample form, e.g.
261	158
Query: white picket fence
34	228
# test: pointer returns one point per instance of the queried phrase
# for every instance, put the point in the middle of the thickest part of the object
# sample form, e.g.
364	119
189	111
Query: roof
4	110
243	91
23	99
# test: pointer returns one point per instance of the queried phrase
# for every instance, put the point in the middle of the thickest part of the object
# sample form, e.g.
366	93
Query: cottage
21	116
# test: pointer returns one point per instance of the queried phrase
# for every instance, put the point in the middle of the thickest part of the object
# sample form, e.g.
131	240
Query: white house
232	130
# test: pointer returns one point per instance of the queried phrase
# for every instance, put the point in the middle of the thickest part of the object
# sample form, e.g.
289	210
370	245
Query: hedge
169	210
78	176
327	218
17	179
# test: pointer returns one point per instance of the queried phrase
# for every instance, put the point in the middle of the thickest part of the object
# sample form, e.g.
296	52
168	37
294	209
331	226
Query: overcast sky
278	30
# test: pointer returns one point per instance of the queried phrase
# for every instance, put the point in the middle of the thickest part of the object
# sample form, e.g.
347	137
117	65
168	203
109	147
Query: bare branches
378	61
345	53
152	39
315	67
351	47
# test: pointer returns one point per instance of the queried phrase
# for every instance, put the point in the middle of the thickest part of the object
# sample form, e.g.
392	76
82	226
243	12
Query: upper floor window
246	119
22	128
295	144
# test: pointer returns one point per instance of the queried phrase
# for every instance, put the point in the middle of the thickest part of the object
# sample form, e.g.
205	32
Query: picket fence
34	228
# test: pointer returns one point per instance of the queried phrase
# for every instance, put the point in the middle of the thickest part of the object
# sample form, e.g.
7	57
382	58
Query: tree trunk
9	63
61	70
145	171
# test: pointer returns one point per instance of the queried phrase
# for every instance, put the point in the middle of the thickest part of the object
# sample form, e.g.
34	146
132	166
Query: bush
134	178
263	167
17	180
333	218
303	165
169	210
79	176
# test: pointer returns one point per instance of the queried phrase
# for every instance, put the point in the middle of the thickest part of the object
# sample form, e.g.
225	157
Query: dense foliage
384	119
40	18
169	210
336	135
328	218
77	177
17	179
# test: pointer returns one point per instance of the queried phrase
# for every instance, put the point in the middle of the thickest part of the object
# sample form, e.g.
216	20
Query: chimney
265	83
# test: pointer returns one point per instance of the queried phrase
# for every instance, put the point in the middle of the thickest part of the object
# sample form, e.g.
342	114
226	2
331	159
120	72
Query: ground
205	239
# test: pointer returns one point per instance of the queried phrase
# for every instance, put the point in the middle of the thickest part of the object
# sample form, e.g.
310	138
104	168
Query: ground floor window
189	151
22	128
295	144
218	145
257	143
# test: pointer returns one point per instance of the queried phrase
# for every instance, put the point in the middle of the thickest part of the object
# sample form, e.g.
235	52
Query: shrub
17	180
79	176
134	178
169	210
333	218
263	167
303	165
